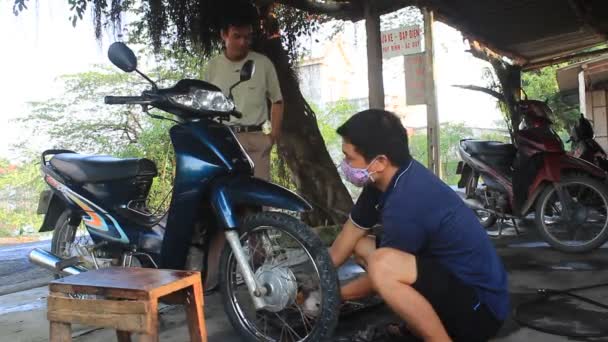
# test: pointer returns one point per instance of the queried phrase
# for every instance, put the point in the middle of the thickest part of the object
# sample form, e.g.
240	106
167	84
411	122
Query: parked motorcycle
509	181
272	263
584	146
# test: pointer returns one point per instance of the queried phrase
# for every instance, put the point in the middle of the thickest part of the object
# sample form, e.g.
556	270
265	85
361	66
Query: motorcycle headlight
202	99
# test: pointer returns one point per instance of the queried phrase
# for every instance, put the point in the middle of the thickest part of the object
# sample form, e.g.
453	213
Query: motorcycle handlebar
126	100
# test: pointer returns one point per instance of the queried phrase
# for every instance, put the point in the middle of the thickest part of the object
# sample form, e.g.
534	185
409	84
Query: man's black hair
377	132
240	14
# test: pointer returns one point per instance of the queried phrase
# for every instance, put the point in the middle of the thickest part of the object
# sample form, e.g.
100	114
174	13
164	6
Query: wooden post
375	81
195	314
60	332
434	164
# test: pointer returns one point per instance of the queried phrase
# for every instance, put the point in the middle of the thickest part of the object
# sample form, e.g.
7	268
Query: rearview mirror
123	57
247	70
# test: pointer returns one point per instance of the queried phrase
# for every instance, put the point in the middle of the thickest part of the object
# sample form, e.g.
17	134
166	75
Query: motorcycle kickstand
516	226
500	224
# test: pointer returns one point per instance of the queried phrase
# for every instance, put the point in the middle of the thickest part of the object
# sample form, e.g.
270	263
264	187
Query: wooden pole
582	92
431	98
375	81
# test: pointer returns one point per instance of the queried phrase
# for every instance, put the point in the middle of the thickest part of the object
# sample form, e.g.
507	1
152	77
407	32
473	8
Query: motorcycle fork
565	199
255	290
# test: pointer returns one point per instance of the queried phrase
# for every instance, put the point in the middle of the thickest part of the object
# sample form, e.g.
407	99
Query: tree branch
488	91
336	9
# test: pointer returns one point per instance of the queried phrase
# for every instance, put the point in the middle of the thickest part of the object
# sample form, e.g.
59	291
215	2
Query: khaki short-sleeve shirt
251	96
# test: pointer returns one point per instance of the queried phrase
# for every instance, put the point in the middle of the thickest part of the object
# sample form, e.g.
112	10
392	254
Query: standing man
251	97
434	264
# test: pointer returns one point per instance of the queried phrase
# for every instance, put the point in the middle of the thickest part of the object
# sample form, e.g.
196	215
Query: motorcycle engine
492	199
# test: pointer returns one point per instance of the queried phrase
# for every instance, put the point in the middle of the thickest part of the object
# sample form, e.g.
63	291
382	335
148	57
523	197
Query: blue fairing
228	192
204	150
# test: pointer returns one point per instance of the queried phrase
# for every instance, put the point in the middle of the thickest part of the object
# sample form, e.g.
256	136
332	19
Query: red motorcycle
509	181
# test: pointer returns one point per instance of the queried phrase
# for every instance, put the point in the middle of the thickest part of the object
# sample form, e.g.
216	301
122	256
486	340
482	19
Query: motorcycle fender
465	173
228	192
576	164
51	206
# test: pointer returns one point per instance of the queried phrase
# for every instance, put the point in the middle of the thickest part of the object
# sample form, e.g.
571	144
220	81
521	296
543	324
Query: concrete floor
530	263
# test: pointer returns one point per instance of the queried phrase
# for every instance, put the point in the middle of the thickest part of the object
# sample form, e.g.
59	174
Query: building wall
596	110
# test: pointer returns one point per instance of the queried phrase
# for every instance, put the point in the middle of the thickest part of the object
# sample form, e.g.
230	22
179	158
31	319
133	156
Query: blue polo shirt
423	216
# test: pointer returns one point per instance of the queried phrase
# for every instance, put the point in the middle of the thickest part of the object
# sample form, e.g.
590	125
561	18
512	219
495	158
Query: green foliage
418	146
450	136
328	119
20	186
542	85
154	143
79	120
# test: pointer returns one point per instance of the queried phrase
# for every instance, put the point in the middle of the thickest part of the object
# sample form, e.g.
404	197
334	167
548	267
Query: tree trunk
303	149
509	77
375	80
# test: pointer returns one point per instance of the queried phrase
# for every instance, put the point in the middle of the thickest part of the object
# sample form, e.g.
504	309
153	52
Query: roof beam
546	62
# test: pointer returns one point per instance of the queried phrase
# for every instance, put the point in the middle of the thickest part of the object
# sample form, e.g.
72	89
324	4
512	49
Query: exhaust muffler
50	262
477	205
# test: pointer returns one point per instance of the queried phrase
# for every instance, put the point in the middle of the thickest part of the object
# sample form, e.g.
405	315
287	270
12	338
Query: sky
40	44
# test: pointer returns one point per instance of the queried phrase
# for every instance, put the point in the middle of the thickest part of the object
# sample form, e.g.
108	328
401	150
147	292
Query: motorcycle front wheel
293	265
586	228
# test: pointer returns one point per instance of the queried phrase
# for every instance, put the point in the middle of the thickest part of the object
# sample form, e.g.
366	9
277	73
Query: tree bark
374	57
303	149
509	77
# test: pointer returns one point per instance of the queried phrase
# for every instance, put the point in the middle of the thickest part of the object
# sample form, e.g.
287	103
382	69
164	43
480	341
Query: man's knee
389	264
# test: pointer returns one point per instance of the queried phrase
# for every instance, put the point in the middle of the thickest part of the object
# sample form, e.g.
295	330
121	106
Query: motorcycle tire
326	318
547	194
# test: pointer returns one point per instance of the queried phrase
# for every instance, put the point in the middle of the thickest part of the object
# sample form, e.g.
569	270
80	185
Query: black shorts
456	304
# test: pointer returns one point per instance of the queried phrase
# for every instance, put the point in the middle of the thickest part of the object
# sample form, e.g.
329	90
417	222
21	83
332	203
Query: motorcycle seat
482	147
83	168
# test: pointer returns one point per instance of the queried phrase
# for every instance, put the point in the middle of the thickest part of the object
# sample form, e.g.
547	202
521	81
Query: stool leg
60	332
152	335
194	312
123	336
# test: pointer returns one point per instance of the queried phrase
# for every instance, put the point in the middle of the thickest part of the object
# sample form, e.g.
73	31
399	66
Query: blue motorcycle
275	276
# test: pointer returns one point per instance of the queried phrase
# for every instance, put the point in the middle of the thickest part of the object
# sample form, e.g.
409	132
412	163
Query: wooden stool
128	301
